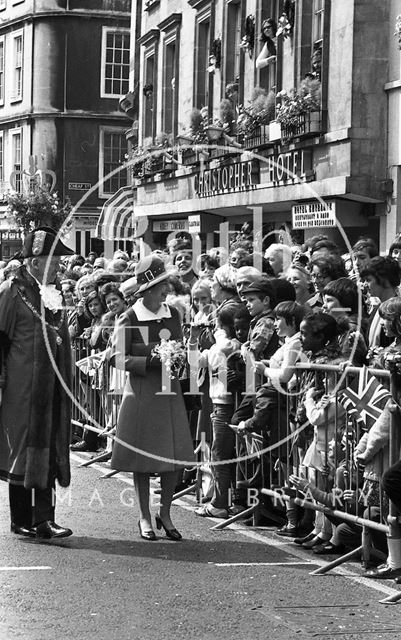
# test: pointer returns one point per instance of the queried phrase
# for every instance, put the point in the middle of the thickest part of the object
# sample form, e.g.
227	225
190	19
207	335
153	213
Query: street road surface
106	583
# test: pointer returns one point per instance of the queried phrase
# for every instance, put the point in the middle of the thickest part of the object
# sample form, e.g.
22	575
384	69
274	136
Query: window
317	38
233	41
113	147
269	76
115	63
318	21
171	27
202	62
1	160
169	88
17	66
16	159
2	70
149	95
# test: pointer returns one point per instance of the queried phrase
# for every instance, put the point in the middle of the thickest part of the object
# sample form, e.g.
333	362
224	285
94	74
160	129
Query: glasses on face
319	276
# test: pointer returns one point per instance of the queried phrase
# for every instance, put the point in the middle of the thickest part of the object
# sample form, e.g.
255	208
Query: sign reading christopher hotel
239	176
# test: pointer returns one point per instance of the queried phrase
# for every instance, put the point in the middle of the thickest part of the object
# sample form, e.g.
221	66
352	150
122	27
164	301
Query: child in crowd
201	302
262	339
342	301
270	410
223	447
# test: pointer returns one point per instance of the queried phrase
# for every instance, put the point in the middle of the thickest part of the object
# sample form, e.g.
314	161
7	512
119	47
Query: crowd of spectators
308	304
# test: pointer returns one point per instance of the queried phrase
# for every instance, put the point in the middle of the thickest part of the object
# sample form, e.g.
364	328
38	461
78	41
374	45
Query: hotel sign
239	176
314	214
290	166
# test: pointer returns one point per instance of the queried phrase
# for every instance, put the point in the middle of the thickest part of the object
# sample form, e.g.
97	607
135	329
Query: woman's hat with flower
150	271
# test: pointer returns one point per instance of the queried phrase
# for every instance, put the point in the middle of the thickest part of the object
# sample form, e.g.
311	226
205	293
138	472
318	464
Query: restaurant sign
238	176
314	214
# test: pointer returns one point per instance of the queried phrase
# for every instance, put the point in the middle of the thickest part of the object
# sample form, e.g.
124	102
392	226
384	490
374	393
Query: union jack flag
365	398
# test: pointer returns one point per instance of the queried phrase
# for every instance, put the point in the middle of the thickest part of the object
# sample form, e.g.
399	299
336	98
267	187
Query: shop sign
314	214
194	224
170	225
13	234
85	222
284	167
239	176
79	186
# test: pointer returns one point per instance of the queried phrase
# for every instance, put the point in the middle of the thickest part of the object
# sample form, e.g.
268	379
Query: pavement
106	583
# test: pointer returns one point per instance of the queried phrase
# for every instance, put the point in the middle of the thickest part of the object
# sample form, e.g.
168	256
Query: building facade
327	168
64	65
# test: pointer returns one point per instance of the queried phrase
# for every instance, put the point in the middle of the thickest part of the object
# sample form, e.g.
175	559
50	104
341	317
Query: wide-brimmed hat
150	271
129	287
42	242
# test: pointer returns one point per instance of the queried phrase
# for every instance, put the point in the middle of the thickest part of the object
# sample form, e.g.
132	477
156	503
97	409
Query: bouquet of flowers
172	354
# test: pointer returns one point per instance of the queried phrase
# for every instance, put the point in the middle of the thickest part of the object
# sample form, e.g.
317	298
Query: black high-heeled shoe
173	534
146	535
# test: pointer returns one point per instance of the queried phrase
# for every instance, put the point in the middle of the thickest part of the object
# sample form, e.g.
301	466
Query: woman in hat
152	429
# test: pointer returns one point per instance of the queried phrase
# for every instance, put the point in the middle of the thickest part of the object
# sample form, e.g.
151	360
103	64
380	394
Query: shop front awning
116	220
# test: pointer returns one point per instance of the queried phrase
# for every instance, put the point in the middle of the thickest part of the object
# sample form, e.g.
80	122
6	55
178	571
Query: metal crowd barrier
97	390
268	466
279	463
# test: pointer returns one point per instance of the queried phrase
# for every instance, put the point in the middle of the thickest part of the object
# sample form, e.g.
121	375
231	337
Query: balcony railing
307	124
257	138
189	157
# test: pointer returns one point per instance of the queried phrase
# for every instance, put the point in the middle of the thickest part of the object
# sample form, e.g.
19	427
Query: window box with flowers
253	120
299	112
153	159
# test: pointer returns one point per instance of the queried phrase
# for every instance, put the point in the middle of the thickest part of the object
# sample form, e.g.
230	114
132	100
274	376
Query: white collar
52	298
293	338
143	313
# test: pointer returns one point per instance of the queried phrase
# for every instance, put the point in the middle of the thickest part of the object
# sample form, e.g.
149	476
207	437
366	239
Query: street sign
79	186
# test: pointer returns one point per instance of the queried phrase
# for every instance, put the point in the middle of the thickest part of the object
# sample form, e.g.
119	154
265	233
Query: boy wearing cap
35	419
259	298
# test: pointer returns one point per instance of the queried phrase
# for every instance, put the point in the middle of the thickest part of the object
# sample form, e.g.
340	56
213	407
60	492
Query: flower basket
38	207
214	132
182	140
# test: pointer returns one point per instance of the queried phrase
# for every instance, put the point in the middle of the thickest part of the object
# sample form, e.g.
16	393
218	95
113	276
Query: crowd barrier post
392	527
394	455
